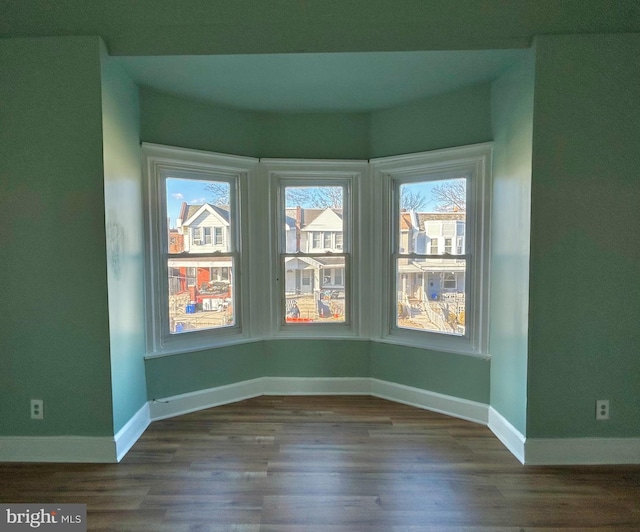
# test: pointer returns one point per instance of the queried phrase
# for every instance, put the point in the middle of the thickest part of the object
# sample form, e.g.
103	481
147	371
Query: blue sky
188	190
195	191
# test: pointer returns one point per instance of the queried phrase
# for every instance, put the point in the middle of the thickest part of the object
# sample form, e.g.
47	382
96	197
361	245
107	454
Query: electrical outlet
37	409
602	409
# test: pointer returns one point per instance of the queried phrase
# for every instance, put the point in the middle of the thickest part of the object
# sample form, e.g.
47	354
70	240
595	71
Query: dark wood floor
326	464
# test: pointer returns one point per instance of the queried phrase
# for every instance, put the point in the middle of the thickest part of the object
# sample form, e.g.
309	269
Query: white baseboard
582	451
316	386
437	402
191	402
445	404
86	449
510	437
132	430
536	451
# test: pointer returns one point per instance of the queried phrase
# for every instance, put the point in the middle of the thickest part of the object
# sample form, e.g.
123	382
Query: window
317	206
433	298
218	236
197	236
316	263
401	257
193	296
207	236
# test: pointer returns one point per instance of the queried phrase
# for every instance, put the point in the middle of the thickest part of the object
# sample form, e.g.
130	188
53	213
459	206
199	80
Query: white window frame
473	162
280	173
238	171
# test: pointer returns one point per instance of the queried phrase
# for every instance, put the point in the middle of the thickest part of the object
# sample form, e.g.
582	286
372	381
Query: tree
322	197
411	200
451	195
219	192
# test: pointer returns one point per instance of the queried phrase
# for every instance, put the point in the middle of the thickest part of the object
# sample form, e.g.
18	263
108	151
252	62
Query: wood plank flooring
329	464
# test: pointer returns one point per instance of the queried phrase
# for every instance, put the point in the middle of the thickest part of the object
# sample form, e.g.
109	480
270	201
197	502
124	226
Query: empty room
295	265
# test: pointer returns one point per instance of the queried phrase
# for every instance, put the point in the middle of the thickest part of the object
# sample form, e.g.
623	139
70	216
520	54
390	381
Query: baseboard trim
531	451
582	451
316	386
82	449
129	434
444	404
178	405
436	402
510	437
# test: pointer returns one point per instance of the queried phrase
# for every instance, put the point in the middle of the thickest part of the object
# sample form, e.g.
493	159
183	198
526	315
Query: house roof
424	217
188	211
405	221
307	215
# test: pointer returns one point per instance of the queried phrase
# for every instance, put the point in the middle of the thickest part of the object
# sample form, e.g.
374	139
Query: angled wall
125	246
512	123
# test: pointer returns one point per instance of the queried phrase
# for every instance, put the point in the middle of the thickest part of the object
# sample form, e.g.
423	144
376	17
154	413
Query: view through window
314	257
430	262
200	263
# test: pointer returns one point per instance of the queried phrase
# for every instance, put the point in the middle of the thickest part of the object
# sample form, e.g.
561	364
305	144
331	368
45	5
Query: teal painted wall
457	375
125	245
585	254
54	341
317	358
453	119
512	122
449	120
189	372
174	121
461	376
314	135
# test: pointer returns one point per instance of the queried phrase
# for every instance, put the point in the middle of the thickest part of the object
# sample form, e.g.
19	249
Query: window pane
199	216
312	216
200	294
429	211
200	220
314	289
431	295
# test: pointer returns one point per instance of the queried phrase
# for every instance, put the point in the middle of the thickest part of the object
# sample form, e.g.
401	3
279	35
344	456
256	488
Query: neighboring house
431	233
200	228
205	228
314	230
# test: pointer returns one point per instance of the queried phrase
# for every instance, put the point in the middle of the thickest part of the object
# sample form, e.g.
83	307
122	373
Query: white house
314	230
205	227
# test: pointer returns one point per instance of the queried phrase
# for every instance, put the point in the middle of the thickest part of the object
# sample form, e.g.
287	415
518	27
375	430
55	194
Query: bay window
194	230
394	249
435	295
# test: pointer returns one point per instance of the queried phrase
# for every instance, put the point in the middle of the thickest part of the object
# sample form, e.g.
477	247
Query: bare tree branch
451	196
411	201
322	197
219	193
